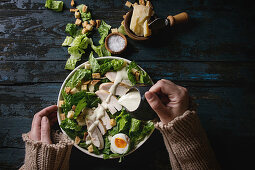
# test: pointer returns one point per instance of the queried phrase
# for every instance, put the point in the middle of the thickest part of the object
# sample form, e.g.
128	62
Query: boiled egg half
119	143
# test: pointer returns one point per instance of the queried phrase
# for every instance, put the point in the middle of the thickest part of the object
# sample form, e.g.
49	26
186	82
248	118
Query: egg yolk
120	143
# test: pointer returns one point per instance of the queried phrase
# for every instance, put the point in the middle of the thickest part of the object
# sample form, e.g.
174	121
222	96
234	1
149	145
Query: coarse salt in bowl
115	43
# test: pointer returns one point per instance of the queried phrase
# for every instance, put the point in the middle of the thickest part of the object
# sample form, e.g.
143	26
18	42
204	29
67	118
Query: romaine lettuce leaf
71	29
54	5
123	122
82	104
68	40
100	50
134	128
94	64
143	76
70	64
78	76
103	31
70	127
84	15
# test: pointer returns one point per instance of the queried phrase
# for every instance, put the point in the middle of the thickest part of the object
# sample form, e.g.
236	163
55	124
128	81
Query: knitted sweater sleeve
47	156
187	143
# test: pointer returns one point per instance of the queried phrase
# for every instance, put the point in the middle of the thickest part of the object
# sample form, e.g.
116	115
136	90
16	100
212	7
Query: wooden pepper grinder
180	18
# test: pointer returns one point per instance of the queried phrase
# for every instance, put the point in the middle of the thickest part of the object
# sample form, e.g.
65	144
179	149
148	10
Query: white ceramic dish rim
60	98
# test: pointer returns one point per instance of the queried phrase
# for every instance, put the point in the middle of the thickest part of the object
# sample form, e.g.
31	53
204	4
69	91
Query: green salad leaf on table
79	104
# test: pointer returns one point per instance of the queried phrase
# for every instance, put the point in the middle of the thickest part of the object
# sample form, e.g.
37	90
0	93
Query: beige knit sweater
184	137
41	156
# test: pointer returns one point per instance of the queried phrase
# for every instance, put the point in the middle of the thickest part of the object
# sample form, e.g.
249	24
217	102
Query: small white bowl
60	98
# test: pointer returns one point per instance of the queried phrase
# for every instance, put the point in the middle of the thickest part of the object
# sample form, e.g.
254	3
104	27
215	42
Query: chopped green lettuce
90	99
54	5
122	30
70	64
144	77
78	76
71	29
76	50
103	31
100	50
67	41
85	16
82	104
111	65
70	127
135	127
94	64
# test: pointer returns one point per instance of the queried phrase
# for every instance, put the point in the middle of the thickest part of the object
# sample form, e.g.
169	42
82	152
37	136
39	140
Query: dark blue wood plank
12	72
217	31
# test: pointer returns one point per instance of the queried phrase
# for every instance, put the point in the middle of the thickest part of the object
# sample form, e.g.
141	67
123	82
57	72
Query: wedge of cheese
147	30
140	14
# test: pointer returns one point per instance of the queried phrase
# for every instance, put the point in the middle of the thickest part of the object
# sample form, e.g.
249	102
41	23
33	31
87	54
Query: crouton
73	107
67	90
92	22
73	10
60	103
90	148
84	31
137	76
89	27
84	8
92	85
62	116
84	87
85	136
74	90
114	30
94	82
128	4
87	66
148	3
96	75
141	2
70	114
113	122
72	3
78	22
84	24
98	22
77	14
77	140
86	82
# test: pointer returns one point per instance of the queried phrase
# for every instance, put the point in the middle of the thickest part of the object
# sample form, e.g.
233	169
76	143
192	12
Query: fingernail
44	119
149	95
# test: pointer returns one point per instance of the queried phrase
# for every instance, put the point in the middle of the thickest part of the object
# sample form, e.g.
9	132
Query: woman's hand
168	100
40	129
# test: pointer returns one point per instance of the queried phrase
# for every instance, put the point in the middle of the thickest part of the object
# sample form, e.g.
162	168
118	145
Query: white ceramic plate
61	98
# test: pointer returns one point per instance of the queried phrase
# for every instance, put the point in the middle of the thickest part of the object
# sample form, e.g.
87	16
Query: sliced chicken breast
101	127
113	104
96	136
106	121
121	89
112	75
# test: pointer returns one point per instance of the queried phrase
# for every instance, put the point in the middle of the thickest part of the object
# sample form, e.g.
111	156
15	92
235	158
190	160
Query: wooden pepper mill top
178	19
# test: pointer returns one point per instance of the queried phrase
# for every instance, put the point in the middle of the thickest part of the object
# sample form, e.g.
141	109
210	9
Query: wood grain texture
213	56
12	72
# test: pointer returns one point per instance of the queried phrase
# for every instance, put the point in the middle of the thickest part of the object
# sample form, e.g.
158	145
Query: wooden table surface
213	56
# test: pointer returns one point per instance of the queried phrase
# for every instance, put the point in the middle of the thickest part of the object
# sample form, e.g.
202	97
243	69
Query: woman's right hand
168	100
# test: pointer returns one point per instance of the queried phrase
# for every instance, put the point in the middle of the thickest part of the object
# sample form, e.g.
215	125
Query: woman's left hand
42	121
